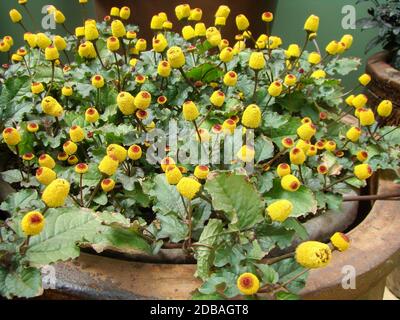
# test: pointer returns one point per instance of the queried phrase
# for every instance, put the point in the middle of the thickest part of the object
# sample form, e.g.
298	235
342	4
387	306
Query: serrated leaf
172	228
19	200
264	149
11	176
293	224
22	283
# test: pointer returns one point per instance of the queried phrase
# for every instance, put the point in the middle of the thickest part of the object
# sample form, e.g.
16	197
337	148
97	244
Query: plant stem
387	134
255	84
119	72
19	163
187	79
52	77
197	130
98	55
27	67
95	191
301	174
66	30
23	27
81	189
338	181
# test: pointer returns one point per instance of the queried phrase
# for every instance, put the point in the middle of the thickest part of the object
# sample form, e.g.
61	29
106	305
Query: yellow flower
15	16
248	284
117	151
118	29
91	32
290	183
188	33
230	79
195	14
246	153
204	135
107	185
365	79
126	103
359	101
213	36
67	91
312	24
313	254
164	69
226	54
318	74
280	210
349	100
367	117
28	156
363	171
142	100
314	58
33	223
87	50
16	58
306	131
156	22
257	61
267	16
385	108
114	12
141	45
125	13
45	175
42	41
173	175
347	39
4	46
81	168
56	193
332	47
290	80
297	156
131	35
176	58
113	44
304	145
340	241
51	53
166	162
167	25
72	160
30	38
59	17
274	42
293	52
76	134
242	23
11	136
98	81
160	43
229	126
275	89
190	111
223	11
312	151
46	161
330	146
353	134
133	62
188	187
287	142
60	43
217	98
62	156
70	148
108	165
252	117
283	170
322	169
182	11
220	21
201	172
135	152
91	115
362	155
200	29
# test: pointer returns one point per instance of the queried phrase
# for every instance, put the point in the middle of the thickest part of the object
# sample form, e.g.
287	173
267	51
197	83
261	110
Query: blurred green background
289	21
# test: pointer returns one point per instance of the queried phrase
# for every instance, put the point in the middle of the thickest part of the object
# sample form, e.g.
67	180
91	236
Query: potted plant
197	167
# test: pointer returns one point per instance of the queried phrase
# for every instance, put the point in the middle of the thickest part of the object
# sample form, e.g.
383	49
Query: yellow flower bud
156	23
312	24
313	254
142	100
359	101
91	32
164	69
246	153
314	58
126	103
32	127
267	16
160	43
283	169
98	81
87	50
118	29
213	36
248	284
297	156
347	40
217	98
81	168
33	223
76	134
15	16
226	54
190	111
59	17
362	155
51	53
107	185
318	74
117	151
293	52
176	58
91	115
108	165
332	48
367	117
230	79
280	210
195	14
135	152
306	131
188	33
364	79
56	193
274	42
42	41
330	146
349	100
229	126
242	23
11	136
220	21
173	175
223	11
290	80
385	108
188	187
353	134
67	91
70	148
114	12
363	171
275	89
312	151
80	32
72	160
287	142
113	44
200	29
45	175
257	61
125	13
290	183
340	241
47	161
252	117
182	11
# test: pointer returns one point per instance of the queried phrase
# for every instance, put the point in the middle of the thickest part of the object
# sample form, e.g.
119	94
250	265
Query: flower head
290	183
11	136
107	185
45	175
108	165
340	241
33	223
248	284
56	193
280	210
313	254
188	187
81	168
173	175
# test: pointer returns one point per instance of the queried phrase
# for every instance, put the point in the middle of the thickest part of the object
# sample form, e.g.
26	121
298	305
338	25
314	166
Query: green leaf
201	296
282	295
238	198
332	201
19	200
264	149
269	275
206	72
303	200
293	224
288	269
265	182
270	235
11	176
344	66
172	227
21	283
43	74
256	253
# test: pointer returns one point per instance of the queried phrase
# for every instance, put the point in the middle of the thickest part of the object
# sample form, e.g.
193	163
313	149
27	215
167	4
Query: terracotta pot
385	84
375	251
142	12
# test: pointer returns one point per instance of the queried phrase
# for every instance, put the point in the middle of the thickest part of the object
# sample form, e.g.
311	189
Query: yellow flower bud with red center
223	11
160	43
312	151
313	254
118	29
275	89
318	74
248	284
252	117
246	153
81	168
76	134
220	21
117	151
242	23
290	80
283	170
67	91
304	145
131	35
33	223
70	147
166	162
213	36
267	16
320	145
297	156
16	58
287	142
322	169
140	79
226	54
107	185
45	175
175	57
113	44
217	98
190	111
293	52
257	61
217	128
126	103
42	41
195	14
62	156
142	100
363	171
314	58
51	53
4	46
367	117
354	134
87	50
306	120
173	175
200	29
340	241
108	165
290	183
15	16
330	146
11	136
135	152
164	69
230	79
385	108
28	156
188	187
306	131
347	39
56	193
279	210
362	155
125	13
161	100
332	47
72	160
229	126
364	79
91	32
312	24
156	23
182	11
114	12
22	52
98	81
91	115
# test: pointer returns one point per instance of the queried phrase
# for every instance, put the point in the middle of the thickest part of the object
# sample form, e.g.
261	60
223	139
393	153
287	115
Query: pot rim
380	70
